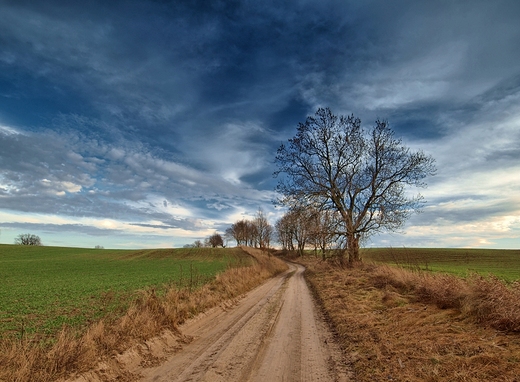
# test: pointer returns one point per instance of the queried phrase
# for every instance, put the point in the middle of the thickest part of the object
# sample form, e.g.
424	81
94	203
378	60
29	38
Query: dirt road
274	334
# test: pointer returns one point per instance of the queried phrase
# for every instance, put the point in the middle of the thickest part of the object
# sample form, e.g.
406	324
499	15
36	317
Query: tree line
258	232
304	228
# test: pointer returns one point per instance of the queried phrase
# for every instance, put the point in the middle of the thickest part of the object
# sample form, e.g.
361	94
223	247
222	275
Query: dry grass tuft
402	325
494	303
150	314
443	290
489	301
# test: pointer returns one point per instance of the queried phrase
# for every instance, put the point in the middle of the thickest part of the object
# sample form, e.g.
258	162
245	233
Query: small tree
323	230
216	240
237	232
27	239
240	232
285	232
298	222
333	164
263	230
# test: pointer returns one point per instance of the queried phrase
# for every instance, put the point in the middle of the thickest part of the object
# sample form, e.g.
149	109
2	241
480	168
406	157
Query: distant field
504	264
42	288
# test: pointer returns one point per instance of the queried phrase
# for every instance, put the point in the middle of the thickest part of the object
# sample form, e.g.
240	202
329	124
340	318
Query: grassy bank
145	313
410	325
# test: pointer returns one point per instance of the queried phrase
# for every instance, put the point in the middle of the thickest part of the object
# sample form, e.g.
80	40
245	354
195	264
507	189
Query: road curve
273	334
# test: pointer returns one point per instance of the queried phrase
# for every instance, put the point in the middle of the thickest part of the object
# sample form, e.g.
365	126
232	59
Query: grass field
43	288
504	264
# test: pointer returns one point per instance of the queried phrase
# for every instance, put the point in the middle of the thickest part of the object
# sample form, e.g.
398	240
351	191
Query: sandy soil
274	333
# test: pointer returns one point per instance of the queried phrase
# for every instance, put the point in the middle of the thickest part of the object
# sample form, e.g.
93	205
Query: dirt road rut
274	334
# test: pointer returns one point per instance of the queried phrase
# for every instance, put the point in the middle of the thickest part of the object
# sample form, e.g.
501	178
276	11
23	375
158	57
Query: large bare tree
332	163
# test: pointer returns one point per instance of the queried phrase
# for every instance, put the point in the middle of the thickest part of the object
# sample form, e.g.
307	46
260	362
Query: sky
145	124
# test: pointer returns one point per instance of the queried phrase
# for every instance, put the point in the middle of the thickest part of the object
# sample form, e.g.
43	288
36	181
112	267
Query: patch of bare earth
402	327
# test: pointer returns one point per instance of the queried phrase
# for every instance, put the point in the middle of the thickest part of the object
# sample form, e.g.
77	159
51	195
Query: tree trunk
301	248
353	247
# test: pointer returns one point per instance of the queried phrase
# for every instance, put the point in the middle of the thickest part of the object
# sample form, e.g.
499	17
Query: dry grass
400	325
490	301
72	352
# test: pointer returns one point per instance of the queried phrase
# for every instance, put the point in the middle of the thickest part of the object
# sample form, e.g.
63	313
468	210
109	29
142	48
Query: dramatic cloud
155	123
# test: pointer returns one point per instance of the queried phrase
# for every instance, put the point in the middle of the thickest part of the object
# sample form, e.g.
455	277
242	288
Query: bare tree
334	164
28	239
302	228
254	233
302	221
251	234
238	232
285	232
241	232
263	230
216	240
228	235
323	230
294	229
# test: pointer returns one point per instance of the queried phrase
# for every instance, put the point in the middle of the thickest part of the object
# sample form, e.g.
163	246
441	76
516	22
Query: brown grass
73	352
402	325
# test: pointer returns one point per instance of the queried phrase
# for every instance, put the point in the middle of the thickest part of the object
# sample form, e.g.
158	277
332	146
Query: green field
43	288
502	263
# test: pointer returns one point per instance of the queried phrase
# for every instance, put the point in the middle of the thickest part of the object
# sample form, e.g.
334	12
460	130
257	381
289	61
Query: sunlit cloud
7	130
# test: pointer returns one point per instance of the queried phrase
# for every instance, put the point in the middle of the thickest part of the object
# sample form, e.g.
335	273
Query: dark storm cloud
169	113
